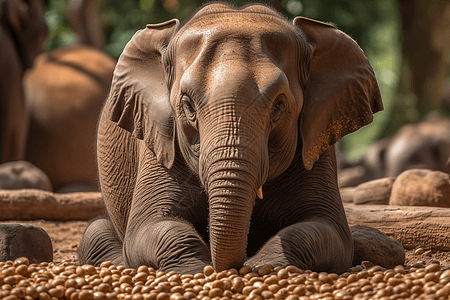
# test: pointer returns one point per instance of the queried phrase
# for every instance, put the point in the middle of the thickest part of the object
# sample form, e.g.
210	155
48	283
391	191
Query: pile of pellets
50	281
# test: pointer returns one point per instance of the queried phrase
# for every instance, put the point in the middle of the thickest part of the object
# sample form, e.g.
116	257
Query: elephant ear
139	98
342	93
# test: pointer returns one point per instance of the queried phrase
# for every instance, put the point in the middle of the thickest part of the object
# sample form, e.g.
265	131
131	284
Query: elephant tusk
259	192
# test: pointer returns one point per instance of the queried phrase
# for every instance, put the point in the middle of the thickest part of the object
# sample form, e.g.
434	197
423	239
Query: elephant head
239	93
24	22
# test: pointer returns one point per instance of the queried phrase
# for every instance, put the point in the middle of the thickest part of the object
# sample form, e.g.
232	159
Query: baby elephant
216	143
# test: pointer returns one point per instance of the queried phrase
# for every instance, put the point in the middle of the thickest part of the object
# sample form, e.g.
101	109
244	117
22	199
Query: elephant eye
278	108
189	108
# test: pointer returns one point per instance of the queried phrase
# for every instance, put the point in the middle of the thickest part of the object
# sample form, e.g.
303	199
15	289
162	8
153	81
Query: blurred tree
425	27
83	18
121	19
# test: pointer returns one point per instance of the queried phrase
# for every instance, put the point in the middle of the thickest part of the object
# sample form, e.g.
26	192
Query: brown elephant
64	94
65	91
424	145
22	33
216	143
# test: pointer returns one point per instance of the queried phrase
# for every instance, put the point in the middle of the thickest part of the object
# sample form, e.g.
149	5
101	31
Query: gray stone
373	245
17	175
28	241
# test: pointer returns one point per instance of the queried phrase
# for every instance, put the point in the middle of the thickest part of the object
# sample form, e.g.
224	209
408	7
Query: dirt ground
66	237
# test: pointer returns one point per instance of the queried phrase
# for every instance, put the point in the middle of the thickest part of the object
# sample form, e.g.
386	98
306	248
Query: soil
67	235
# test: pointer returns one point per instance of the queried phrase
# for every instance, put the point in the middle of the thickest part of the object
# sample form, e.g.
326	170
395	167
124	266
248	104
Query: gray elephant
216	144
424	145
22	33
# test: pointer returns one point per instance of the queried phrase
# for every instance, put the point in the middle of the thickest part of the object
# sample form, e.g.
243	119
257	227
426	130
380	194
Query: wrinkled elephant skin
216	143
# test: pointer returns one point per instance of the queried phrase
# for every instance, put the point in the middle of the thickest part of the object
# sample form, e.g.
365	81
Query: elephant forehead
236	35
236	23
221	13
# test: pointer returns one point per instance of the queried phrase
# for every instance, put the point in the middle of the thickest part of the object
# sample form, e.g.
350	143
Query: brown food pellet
52	281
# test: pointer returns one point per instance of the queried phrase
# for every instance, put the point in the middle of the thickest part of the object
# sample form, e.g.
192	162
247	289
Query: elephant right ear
139	98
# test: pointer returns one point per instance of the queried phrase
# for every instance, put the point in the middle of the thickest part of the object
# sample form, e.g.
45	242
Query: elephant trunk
232	184
231	204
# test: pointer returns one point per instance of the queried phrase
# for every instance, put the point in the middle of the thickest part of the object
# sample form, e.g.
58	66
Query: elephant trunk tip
221	265
228	236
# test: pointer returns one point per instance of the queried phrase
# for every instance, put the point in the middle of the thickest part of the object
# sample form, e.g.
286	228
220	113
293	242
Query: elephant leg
309	245
167	244
100	243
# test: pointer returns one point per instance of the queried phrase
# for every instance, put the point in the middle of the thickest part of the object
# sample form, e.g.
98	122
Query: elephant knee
100	243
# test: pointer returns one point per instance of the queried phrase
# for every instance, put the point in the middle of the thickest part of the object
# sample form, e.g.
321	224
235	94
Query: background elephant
215	145
65	91
425	145
22	34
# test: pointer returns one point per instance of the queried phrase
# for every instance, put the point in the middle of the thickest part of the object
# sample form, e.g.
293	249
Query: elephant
64	92
423	145
215	145
22	33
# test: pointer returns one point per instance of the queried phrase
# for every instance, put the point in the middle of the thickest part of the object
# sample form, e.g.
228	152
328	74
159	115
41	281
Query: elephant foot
309	245
100	243
166	245
193	266
274	255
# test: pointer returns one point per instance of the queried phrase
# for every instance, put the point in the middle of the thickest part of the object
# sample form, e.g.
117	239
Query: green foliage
59	32
383	49
121	19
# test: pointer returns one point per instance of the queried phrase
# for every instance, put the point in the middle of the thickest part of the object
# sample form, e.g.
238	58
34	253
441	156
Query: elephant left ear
139	99
342	93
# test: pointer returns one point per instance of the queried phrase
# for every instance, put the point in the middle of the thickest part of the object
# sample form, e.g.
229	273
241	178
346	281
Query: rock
419	187
377	191
23	175
29	241
347	194
376	247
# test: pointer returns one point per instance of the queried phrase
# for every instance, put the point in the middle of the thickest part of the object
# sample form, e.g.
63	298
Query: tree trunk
425	62
85	22
30	204
425	50
412	226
